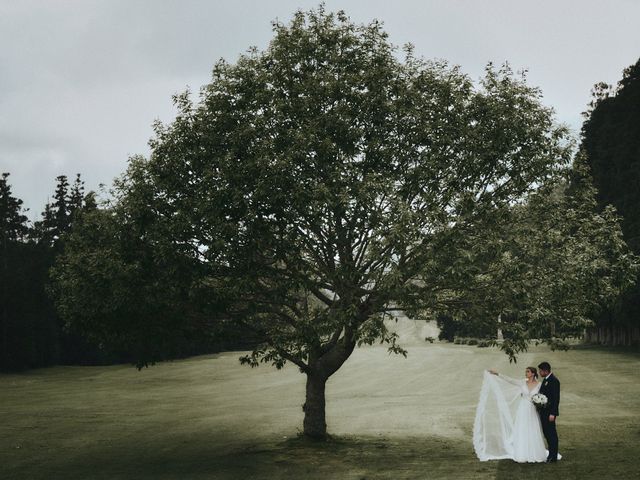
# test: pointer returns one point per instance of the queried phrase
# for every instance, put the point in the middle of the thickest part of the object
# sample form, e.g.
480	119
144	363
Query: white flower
539	400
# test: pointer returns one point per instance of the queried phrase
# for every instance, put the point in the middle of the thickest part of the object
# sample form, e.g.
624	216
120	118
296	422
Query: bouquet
539	400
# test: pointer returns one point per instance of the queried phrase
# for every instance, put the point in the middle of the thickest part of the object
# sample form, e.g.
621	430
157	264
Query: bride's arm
504	377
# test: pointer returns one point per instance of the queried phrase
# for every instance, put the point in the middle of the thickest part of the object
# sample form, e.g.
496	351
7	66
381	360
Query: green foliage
451	327
119	283
17	349
610	145
479	342
28	337
340	181
13	223
59	215
547	266
31	334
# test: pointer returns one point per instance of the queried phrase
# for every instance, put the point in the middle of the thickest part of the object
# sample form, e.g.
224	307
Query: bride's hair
534	371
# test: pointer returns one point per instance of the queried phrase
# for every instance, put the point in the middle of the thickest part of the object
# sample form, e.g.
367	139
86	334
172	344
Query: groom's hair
545	366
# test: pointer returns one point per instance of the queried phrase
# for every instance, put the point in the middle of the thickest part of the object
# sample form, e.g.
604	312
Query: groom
551	389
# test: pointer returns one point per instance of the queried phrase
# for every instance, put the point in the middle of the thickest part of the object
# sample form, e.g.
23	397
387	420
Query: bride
507	425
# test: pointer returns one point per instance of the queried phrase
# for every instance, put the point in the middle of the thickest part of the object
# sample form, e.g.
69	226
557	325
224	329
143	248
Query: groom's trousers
551	434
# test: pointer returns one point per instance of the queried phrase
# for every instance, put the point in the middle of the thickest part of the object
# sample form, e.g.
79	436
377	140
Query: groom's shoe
551	460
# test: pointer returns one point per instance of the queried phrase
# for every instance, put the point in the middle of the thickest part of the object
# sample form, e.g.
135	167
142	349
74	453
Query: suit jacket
551	389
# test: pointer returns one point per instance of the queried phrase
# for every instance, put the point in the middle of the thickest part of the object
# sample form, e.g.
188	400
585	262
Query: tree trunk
319	370
314	423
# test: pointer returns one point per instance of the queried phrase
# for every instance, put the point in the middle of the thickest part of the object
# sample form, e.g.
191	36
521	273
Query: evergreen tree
31	333
13	223
57	215
28	337
76	196
13	227
611	146
62	215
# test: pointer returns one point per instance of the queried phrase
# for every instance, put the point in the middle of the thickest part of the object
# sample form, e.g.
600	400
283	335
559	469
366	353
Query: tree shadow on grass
592	450
338	458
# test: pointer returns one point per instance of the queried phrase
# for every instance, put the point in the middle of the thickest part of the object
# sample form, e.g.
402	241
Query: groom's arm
555	401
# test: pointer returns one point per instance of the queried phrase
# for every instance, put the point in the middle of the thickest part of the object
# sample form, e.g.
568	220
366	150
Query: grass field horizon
209	417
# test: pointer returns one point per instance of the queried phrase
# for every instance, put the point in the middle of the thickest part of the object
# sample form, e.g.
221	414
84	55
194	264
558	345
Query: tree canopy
611	143
611	149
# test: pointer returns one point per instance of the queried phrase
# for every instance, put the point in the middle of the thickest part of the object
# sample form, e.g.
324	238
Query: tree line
609	155
32	332
610	141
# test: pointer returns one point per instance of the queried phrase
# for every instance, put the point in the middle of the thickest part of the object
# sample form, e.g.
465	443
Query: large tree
611	147
28	332
58	215
318	186
13	228
13	222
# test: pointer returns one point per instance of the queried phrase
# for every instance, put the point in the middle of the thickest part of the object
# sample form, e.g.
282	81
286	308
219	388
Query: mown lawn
391	418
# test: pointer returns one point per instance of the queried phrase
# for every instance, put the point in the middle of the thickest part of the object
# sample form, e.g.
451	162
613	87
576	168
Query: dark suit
551	389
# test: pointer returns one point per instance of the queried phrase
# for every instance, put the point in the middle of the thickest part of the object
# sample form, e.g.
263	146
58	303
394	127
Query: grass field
391	418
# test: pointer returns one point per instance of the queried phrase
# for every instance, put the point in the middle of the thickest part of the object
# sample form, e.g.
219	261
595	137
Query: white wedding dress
507	425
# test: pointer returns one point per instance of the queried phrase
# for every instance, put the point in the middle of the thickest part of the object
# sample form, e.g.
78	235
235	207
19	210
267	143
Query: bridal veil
494	421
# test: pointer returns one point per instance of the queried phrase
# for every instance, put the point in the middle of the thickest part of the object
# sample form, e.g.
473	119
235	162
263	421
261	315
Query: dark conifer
611	143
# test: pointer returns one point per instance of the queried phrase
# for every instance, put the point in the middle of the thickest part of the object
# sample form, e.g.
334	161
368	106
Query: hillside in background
412	332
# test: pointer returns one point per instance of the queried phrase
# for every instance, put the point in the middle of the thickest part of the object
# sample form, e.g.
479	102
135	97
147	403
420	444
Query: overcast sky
81	81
